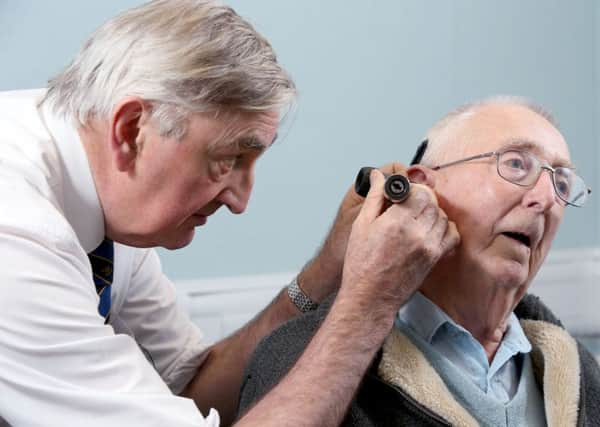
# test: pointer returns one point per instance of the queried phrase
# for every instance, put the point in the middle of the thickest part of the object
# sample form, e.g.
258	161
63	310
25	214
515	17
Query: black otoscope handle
397	187
362	185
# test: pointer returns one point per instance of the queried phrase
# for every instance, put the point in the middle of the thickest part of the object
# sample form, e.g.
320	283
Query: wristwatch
299	298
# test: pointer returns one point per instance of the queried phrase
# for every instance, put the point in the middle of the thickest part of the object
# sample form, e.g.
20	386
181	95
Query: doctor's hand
321	276
392	248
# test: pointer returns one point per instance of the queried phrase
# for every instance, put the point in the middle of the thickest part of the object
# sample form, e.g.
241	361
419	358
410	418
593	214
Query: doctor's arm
388	253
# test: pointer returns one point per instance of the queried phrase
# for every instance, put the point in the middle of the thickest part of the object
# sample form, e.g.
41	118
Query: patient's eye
562	180
515	165
514	160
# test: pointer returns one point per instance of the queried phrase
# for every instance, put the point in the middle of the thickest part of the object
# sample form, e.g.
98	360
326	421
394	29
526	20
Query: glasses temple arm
479	156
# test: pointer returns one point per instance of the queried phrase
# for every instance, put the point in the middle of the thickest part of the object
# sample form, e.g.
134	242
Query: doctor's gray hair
183	56
438	150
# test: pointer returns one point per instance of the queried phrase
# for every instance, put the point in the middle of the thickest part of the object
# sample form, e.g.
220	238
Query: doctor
156	124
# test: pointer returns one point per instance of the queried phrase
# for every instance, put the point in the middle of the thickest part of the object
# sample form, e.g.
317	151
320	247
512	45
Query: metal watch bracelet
299	298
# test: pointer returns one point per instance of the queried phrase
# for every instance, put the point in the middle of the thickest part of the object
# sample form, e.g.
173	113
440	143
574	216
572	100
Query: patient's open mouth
519	237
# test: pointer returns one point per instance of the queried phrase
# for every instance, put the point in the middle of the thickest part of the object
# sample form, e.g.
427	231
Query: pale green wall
373	76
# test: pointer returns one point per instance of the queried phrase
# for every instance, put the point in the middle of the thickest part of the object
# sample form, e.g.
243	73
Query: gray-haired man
156	124
470	347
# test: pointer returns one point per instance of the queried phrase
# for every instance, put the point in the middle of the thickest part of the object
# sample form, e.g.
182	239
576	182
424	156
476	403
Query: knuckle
418	192
432	211
418	237
429	252
423	195
442	215
393	168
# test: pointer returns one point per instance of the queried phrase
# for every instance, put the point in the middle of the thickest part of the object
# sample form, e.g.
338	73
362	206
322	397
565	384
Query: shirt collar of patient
80	200
432	324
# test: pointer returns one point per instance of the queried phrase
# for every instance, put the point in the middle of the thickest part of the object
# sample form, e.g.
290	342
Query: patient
471	347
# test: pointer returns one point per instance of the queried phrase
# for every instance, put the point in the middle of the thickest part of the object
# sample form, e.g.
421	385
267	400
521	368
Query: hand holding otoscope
396	188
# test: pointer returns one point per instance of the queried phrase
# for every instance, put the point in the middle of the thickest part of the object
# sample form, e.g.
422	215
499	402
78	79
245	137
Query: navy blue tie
102	259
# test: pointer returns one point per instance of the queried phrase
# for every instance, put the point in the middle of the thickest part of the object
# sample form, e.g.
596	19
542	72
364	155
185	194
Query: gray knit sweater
393	394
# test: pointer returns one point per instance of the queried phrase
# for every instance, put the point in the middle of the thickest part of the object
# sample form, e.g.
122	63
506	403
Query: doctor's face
179	184
506	230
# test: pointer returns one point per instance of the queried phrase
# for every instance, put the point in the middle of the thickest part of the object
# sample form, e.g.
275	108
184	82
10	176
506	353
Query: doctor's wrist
303	302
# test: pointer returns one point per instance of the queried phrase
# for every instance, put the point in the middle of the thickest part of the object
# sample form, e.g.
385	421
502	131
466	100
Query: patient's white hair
182	56
438	151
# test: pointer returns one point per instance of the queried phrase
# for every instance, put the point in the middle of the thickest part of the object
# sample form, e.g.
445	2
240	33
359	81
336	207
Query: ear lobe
421	175
125	123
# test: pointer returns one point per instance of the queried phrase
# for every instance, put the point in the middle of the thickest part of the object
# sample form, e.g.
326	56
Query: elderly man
470	347
156	124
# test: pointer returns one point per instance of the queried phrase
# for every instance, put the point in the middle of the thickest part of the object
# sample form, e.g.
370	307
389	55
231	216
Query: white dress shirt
60	365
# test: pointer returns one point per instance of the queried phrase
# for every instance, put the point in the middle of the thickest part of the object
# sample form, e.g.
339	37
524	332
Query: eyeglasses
524	169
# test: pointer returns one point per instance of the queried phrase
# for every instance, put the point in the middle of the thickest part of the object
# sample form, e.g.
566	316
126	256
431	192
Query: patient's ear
421	175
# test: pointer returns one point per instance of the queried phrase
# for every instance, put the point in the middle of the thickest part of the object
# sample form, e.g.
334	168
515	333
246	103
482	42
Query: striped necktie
102	259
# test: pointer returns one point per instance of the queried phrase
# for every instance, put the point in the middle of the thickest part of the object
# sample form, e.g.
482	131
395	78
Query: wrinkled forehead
505	126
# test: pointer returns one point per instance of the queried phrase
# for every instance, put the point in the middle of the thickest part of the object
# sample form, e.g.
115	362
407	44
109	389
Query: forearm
320	277
319	388
218	381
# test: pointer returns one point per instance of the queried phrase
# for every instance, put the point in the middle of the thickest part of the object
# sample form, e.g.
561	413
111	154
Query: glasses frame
543	167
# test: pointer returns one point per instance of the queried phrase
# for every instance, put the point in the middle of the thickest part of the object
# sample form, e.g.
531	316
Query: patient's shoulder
532	307
277	352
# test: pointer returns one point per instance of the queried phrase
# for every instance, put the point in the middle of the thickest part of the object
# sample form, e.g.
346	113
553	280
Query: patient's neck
480	306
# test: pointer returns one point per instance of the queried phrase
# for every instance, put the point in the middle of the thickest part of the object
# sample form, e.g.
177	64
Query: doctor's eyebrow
253	143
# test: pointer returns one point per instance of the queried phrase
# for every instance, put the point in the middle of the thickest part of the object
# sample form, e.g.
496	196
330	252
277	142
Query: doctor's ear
421	175
126	121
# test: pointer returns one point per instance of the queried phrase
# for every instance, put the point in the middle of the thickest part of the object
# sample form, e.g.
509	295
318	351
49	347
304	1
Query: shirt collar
514	338
81	204
425	318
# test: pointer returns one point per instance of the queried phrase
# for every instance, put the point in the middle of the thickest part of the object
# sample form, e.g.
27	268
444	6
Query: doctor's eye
222	166
228	163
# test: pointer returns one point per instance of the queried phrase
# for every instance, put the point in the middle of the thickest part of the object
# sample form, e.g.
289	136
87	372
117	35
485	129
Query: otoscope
397	186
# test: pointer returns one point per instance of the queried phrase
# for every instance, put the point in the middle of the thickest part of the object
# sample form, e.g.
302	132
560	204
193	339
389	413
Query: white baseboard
568	282
223	304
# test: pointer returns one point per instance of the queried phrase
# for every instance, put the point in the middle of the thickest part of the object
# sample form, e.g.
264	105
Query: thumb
375	199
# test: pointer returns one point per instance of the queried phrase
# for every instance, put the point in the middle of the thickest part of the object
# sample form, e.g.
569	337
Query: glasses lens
570	187
518	167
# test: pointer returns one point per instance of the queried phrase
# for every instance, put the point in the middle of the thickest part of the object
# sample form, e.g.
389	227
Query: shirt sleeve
59	363
148	310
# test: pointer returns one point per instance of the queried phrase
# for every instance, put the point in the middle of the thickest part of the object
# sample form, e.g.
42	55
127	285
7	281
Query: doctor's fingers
374	202
451	238
421	206
393	168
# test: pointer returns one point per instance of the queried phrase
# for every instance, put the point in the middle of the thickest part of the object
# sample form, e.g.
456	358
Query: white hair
183	56
438	150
